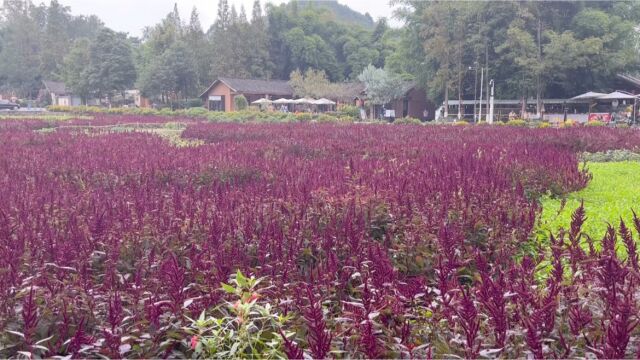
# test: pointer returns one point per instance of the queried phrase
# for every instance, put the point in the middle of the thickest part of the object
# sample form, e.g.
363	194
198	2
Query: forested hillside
550	49
341	13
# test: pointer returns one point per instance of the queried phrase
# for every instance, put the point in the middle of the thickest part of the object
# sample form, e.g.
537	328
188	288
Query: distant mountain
342	13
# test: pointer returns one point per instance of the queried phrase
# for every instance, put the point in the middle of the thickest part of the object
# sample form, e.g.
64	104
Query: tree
523	39
112	69
35	41
312	83
76	68
172	75
311	51
197	43
54	39
381	86
20	55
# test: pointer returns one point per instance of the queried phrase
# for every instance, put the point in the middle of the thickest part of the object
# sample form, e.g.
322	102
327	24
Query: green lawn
613	192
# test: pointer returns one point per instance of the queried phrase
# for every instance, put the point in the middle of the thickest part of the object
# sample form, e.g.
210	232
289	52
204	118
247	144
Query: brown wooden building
412	103
220	95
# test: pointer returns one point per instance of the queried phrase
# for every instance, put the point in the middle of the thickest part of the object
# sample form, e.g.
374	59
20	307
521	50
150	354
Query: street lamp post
481	86
475	91
475	95
491	100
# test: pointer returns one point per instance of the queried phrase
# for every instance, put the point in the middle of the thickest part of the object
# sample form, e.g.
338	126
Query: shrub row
247	115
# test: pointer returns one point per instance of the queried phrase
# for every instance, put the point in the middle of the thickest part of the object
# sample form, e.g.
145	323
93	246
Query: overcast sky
133	15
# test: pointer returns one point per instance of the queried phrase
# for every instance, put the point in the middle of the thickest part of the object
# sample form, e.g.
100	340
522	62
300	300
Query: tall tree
20	60
381	86
173	75
76	69
197	42
54	40
311	83
112	69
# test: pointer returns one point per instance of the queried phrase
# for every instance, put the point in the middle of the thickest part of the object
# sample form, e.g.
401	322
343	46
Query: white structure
59	94
491	99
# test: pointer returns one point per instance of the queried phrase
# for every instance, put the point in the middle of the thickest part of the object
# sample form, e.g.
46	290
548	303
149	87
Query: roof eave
214	84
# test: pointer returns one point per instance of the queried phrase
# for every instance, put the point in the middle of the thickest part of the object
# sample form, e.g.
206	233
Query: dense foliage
372	243
34	40
554	50
551	49
178	58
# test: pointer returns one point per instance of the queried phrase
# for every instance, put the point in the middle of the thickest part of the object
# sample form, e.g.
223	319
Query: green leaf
241	279
228	288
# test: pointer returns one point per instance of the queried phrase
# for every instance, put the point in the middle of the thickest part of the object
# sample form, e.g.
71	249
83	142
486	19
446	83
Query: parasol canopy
616	95
309	101
587	96
262	101
324	101
283	101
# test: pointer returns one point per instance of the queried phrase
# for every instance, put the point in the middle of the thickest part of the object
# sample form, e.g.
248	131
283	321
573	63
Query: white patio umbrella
324	101
616	95
587	96
283	101
308	101
262	101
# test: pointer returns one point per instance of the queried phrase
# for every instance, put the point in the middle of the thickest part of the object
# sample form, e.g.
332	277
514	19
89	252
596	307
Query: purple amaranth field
376	241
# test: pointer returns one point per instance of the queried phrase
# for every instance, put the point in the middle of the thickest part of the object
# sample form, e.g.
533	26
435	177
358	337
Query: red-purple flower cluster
379	241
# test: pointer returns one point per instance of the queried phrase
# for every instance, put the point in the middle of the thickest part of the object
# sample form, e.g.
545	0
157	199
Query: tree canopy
530	48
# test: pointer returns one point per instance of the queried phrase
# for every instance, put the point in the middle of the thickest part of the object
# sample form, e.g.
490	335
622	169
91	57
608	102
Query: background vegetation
550	49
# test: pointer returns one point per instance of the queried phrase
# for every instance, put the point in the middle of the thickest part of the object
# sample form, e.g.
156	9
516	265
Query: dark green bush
240	102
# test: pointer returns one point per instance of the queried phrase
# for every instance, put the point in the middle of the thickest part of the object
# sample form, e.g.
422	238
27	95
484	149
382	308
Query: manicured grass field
613	192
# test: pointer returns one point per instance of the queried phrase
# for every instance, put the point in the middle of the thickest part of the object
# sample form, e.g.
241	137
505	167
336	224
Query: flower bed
373	241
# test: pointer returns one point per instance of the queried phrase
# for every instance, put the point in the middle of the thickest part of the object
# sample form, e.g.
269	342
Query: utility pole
633	121
475	94
481	85
491	100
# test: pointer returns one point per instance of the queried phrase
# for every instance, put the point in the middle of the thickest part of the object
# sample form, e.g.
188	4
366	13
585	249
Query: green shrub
516	122
595	123
166	112
197	112
246	327
194	103
543	125
59	108
304	117
324	118
349	110
460	123
240	102
407	121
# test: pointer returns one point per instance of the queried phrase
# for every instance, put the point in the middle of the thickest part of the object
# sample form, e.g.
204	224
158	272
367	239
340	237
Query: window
405	107
216	103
